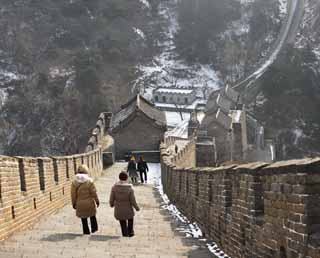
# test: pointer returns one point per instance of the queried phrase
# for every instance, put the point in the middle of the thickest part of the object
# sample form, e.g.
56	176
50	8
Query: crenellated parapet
99	131
256	210
32	187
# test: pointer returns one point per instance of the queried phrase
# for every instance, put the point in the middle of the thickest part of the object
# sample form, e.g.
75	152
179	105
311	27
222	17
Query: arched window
156	98
164	99
186	100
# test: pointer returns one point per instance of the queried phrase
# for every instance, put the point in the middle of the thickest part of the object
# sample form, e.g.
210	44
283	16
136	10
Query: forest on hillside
64	62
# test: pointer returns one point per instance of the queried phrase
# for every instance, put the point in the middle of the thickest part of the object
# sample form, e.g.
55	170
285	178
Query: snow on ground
145	3
3	96
283	5
298	134
7	77
185	226
139	32
317	52
165	68
58	72
181	130
174	118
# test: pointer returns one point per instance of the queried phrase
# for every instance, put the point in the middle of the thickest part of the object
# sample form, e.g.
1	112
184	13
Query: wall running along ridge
255	210
32	187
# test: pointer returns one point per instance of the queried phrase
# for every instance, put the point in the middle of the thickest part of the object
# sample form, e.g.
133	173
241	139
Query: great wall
255	210
32	187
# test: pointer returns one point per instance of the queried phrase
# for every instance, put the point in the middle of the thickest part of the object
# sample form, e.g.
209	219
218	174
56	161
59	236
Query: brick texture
254	210
32	187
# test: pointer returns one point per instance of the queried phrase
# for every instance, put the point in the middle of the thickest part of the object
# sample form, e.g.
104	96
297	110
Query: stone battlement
256	210
31	187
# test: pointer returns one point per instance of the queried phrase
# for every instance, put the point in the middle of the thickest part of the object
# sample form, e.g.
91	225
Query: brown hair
123	176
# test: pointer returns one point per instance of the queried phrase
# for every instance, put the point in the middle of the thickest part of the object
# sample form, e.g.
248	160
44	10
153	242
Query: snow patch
191	230
7	77
56	72
139	32
174	118
145	3
166	69
283	6
3	96
298	134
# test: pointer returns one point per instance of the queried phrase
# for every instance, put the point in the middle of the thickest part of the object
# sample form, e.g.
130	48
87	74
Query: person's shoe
93	231
131	234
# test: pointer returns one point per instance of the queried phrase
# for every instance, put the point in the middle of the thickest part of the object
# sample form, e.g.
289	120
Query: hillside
63	62
289	103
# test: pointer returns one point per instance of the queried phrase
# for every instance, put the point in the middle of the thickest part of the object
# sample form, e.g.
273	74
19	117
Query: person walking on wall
85	199
143	169
123	200
132	170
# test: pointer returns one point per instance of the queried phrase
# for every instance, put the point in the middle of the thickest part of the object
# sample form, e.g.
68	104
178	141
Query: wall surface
140	134
255	210
32	187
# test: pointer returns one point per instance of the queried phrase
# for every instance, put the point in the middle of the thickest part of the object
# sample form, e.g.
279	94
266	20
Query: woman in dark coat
123	200
132	170
85	199
143	169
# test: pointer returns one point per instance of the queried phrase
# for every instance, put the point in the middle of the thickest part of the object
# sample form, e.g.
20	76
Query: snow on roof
174	118
174	90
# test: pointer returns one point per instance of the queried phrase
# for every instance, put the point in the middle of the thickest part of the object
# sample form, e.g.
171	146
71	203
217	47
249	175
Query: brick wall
32	187
255	210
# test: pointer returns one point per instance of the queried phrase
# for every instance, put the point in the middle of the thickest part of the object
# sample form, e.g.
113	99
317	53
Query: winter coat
84	196
123	200
142	166
132	168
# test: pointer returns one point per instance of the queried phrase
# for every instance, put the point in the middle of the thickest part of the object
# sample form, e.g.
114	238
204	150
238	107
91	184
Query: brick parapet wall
99	131
32	187
255	210
186	156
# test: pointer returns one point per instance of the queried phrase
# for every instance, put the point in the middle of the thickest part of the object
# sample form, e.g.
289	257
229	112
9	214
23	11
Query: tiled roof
218	117
223	119
138	103
223	103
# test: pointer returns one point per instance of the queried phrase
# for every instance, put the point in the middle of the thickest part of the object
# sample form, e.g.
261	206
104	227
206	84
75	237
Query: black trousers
145	176
85	227
134	180
127	227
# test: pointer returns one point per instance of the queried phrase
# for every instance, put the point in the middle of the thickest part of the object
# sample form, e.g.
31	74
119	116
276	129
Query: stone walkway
60	235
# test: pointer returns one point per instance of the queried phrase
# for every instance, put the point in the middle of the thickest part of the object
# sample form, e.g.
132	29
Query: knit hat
123	176
132	158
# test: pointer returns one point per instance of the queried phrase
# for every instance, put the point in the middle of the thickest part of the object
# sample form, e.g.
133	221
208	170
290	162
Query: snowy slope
166	68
